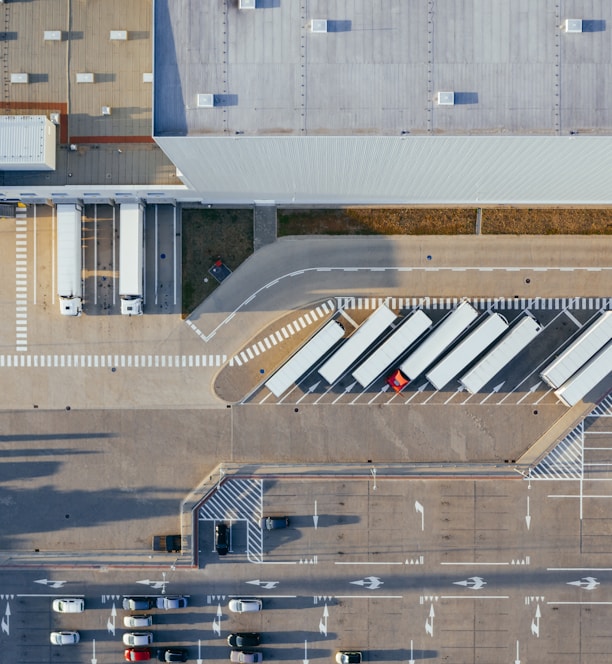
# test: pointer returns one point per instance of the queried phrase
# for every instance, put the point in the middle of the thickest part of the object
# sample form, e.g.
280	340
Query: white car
138	638
72	605
138	621
245	605
64	638
171	602
246	656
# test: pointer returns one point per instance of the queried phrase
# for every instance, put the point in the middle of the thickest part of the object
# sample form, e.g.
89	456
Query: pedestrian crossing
21	280
300	323
239	500
75	361
485	304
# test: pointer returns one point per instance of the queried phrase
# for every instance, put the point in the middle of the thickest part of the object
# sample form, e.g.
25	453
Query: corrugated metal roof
27	142
419	170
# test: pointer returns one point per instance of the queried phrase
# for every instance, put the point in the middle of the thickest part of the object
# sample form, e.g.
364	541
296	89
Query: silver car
64	638
245	605
174	602
138	638
138	621
246	656
71	605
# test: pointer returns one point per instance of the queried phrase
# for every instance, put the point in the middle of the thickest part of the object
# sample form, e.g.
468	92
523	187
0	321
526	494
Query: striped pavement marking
112	361
239	500
604	409
21	280
486	304
565	461
285	332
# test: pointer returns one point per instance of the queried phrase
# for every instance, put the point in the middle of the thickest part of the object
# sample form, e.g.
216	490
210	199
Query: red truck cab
397	381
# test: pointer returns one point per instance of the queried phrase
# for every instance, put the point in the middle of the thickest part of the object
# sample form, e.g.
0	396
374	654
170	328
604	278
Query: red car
137	654
397	381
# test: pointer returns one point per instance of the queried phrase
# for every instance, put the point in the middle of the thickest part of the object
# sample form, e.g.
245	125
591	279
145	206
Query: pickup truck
167	543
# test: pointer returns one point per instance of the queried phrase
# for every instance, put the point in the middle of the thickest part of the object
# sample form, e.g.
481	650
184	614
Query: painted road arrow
305	660
268	585
323	622
495	390
110	624
528	517
370	582
199	659
587	583
93	655
429	621
420	510
535	623
154	584
217	621
51	584
473	583
6	621
315	516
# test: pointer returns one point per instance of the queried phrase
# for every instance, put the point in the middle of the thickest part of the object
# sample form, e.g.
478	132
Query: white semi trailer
131	258
393	346
69	260
357	344
436	342
579	352
308	355
504	351
594	372
464	353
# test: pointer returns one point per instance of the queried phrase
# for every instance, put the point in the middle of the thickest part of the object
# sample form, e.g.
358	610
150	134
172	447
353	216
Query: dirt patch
377	221
546	221
207	235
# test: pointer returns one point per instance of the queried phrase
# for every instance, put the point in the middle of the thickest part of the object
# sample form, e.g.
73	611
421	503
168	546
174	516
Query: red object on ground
397	381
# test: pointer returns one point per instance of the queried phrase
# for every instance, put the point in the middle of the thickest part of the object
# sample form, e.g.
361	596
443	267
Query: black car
138	603
274	522
243	639
221	539
172	655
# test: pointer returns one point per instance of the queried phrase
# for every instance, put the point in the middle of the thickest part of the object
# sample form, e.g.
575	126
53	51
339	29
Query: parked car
138	638
71	605
246	656
274	522
171	602
172	655
348	657
138	620
138	603
245	605
243	639
221	539
64	638
137	654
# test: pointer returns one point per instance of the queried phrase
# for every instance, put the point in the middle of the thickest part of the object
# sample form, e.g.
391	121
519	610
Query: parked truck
434	345
597	370
69	260
322	342
357	344
510	345
392	347
579	352
131	258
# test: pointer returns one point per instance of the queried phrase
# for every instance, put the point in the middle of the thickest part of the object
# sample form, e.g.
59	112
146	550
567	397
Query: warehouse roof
378	67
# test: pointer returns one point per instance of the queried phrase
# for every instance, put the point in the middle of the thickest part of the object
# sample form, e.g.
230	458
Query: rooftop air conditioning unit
55	118
20	78
53	35
247	4
446	98
572	25
318	25
205	100
106	110
85	77
118	35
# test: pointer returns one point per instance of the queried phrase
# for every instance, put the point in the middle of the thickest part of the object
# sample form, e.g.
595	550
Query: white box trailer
357	344
465	352
393	346
591	341
504	351
69	260
131	258
597	369
306	357
434	345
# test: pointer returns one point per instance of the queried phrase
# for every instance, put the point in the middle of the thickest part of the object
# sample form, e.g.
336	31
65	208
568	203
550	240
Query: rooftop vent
118	35
53	35
247	4
20	78
147	77
87	77
318	25
106	110
572	25
205	100
55	118
446	98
